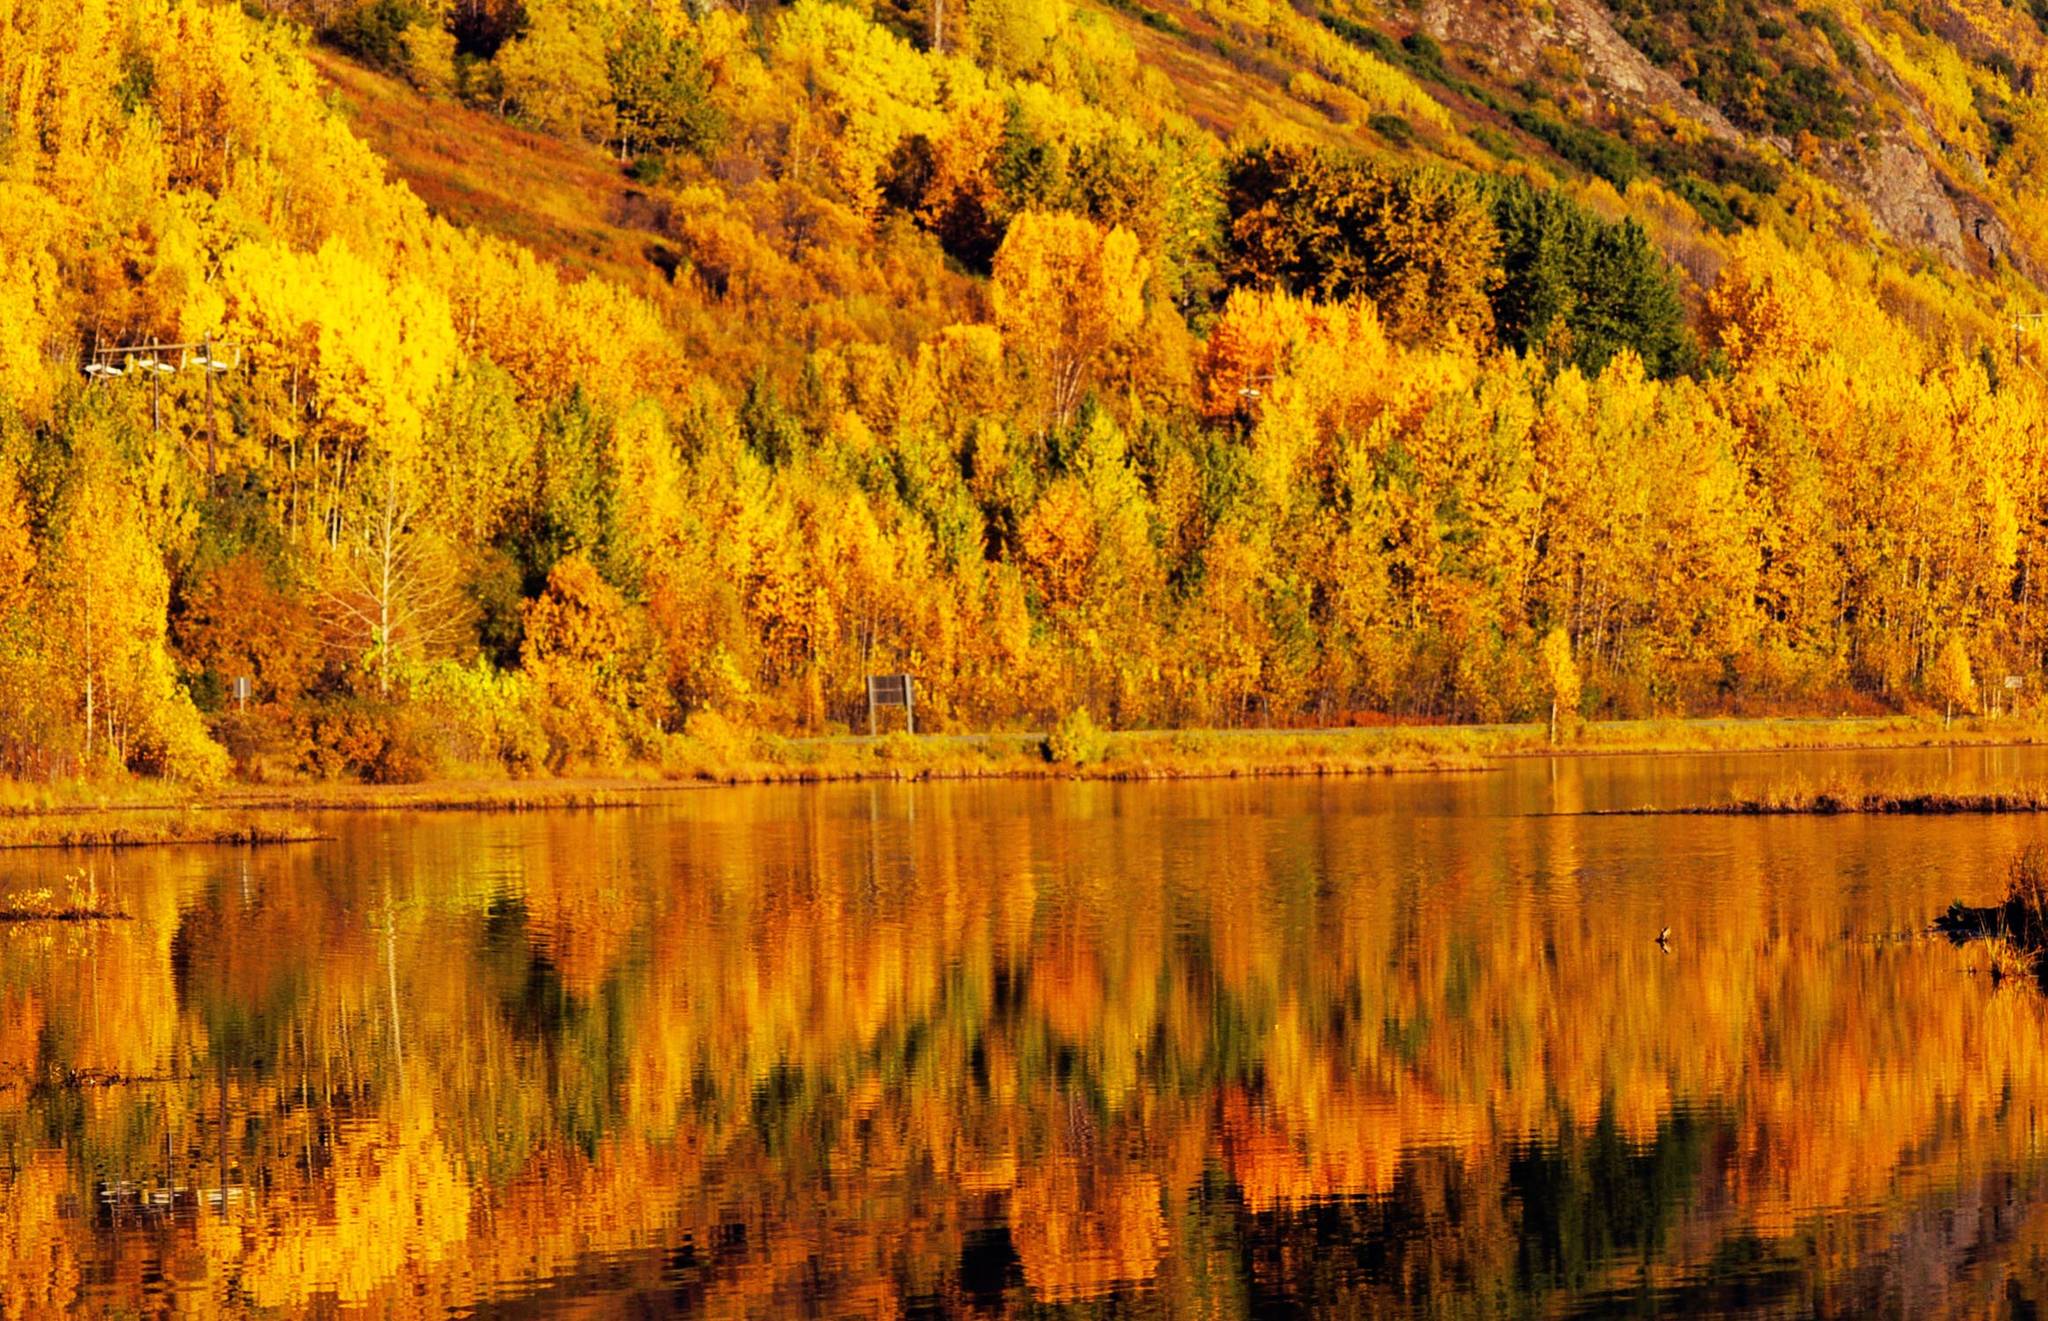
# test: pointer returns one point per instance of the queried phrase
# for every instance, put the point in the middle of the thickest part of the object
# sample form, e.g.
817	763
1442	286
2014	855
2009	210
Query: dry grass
1193	754
1842	801
143	828
27	799
564	200
745	757
79	901
1800	797
2014	931
1798	734
1378	750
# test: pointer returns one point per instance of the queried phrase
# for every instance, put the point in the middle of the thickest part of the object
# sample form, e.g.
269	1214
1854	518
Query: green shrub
175	745
1838	36
1588	148
1076	741
375	33
1708	203
1393	128
1499	144
478	716
1424	51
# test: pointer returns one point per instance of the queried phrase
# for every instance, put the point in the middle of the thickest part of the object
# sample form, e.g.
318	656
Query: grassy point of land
1837	801
478	795
142	828
16	916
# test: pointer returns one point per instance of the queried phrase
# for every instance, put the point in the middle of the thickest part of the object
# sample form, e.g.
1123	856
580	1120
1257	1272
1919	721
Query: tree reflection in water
975	1050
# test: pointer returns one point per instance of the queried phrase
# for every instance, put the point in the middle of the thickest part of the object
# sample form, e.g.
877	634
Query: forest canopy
955	342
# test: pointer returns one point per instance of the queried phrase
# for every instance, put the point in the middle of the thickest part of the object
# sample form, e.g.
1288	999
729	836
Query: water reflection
1385	1047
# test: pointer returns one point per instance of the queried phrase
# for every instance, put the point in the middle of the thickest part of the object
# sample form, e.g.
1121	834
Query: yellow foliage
1066	293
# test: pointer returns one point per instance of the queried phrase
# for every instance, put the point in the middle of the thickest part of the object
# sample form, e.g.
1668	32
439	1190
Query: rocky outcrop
1906	197
1915	198
1515	39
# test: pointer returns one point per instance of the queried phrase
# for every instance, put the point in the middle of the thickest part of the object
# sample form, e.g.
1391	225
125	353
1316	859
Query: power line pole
212	423
152	358
2020	322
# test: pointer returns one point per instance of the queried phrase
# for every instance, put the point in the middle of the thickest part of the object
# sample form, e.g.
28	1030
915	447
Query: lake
1373	1047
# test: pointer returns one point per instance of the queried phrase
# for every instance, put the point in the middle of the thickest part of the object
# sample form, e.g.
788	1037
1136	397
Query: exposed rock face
1911	197
1515	39
1907	198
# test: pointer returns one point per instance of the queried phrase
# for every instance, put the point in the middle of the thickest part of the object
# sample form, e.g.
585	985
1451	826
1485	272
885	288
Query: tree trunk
89	693
384	587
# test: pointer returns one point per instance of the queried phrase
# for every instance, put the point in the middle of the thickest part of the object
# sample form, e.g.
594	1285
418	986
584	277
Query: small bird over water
1664	936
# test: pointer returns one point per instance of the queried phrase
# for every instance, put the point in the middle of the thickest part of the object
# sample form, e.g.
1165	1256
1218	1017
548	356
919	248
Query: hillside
599	383
1917	127
565	200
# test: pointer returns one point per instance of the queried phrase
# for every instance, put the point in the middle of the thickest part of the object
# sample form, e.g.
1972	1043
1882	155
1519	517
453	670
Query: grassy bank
1839	801
1089	754
127	828
1773	734
1140	755
1068	753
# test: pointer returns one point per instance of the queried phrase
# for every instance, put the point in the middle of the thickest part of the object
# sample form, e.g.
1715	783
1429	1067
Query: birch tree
392	592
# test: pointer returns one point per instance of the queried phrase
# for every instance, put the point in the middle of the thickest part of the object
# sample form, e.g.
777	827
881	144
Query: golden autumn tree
589	658
104	594
1420	244
1066	292
554	73
1953	681
17	550
1562	675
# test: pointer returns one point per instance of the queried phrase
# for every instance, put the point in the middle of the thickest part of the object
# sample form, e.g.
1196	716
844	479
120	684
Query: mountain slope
1915	130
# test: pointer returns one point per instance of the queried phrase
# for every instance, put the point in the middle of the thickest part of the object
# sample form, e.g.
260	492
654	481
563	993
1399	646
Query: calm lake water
1379	1048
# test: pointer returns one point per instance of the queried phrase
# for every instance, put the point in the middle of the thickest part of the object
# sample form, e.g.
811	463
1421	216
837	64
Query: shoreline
1126	757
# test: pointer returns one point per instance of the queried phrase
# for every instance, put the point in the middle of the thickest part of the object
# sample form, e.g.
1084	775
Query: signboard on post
891	690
